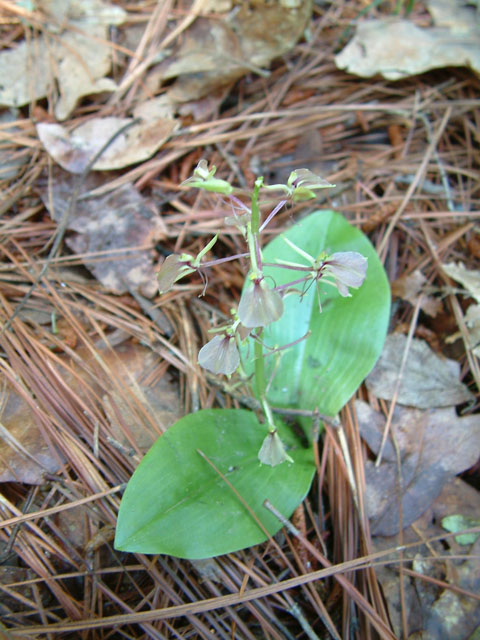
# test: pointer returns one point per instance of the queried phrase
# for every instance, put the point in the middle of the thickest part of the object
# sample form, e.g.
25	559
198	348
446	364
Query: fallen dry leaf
428	461
9	575
433	612
215	52
73	151
120	222
148	404
74	525
25	455
158	398
472	320
470	278
72	53
410	287
428	380
397	48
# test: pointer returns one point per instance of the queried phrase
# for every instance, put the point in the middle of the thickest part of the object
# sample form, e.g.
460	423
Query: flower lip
348	269
272	451
220	355
259	305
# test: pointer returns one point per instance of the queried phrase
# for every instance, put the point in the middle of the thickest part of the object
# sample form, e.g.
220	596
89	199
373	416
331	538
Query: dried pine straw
389	148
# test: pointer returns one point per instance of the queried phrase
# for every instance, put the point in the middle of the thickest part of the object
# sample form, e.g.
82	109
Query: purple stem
290	344
211	263
239	203
272	214
290	284
288	266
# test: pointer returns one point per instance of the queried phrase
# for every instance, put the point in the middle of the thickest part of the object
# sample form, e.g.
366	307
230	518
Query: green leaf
346	339
457	522
176	503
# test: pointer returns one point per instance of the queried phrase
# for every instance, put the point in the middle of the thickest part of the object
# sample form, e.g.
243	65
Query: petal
349	267
259	305
308	179
342	289
172	269
203	179
220	355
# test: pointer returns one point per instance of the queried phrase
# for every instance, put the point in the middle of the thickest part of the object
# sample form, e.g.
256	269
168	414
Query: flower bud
304	182
203	179
259	305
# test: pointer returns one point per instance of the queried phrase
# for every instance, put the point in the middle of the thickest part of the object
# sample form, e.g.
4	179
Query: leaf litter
114	380
72	52
428	380
427	461
122	223
470	279
436	607
152	125
397	48
411	287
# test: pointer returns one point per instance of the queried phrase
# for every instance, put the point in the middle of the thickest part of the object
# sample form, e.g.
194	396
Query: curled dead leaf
410	287
74	150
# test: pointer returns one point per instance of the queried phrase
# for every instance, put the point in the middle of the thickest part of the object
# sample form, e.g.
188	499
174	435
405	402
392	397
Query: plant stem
255	220
252	245
253	231
268	414
259	369
254	248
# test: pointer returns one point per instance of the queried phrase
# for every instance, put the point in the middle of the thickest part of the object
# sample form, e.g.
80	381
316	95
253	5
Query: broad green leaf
346	338
176	503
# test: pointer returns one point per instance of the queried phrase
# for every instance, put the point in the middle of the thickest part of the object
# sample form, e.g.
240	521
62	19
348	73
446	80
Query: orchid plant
288	284
261	302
